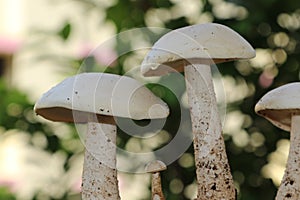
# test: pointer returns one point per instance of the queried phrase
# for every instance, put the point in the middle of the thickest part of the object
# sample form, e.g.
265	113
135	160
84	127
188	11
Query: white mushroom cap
280	104
155	166
101	94
204	43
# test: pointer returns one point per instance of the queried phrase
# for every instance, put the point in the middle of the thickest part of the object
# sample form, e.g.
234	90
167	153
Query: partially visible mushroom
281	107
95	98
192	49
155	167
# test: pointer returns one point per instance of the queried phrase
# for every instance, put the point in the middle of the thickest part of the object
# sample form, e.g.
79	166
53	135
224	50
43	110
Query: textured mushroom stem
212	169
157	193
290	184
99	178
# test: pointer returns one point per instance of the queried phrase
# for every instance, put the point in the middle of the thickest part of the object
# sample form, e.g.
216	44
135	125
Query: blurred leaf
65	31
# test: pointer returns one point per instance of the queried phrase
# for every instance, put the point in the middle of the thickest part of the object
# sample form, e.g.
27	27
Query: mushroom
193	49
95	98
155	167
282	108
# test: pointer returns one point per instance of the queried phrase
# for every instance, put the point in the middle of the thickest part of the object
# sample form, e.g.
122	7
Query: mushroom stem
157	193
290	184
99	178
212	169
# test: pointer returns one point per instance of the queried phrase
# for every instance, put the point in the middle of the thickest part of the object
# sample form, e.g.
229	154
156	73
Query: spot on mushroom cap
102	94
280	104
155	166
203	43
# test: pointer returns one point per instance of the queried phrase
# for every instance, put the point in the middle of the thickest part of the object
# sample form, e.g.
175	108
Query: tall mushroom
95	98
155	167
282	108
192	49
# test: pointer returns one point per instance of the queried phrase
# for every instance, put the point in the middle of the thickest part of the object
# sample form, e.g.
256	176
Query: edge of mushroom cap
81	94
155	166
279	104
209	43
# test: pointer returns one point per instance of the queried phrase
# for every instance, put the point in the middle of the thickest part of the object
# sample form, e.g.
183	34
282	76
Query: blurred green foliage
267	25
17	113
6	194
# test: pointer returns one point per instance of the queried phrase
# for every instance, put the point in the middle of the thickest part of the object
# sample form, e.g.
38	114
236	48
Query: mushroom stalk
154	168
99	178
290	184
212	169
157	193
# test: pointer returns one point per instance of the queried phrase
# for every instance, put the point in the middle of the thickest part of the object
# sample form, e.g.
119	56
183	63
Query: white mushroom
95	98
282	108
192	49
155	167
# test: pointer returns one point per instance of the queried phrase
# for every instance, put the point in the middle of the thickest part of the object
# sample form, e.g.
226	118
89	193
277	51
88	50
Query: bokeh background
42	42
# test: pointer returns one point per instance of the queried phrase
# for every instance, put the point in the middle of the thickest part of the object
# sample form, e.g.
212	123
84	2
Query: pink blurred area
103	56
266	79
76	186
11	184
9	45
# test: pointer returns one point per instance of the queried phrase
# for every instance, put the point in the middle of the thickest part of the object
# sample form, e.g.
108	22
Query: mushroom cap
202	43
155	166
280	104
102	94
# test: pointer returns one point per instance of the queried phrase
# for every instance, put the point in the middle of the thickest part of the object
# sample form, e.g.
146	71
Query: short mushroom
192	49
95	98
155	167
282	108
